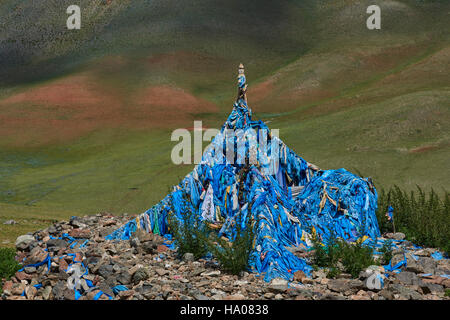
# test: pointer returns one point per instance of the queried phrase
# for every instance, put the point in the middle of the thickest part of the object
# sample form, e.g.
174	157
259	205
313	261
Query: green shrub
339	255
355	257
189	233
386	251
325	256
8	264
233	256
423	218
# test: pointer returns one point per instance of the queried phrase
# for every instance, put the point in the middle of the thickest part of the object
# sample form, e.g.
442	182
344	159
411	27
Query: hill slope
86	116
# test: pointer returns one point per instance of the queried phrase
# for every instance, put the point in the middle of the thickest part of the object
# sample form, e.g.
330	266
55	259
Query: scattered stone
10	222
406	277
162	248
105	271
387	294
395	236
432	288
344	285
278	285
150	270
269	295
29	270
135	242
405	292
188	257
80	233
237	296
24	241
214	273
30	292
77	223
396	258
428	264
140	275
161	272
56	244
124	278
149	247
46	293
299	276
126	295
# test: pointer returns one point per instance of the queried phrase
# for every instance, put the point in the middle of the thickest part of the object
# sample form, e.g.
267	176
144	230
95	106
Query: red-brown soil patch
167	107
422	149
260	91
69	92
174	101
69	108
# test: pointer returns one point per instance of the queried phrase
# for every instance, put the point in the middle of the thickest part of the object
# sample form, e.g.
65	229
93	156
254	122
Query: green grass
339	256
422	216
189	233
8	264
376	102
234	255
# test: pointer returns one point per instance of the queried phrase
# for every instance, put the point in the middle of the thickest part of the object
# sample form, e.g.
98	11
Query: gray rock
46	292
332	297
92	262
201	297
10	222
405	291
422	253
36	255
413	266
105	287
149	247
105	270
58	290
161	272
319	274
343	285
406	277
398	236
77	223
214	273
432	288
428	264
29	270
52	229
278	285
442	271
145	288
139	275
22	242
106	231
56	244
135	243
188	257
397	258
197	272
363	275
387	294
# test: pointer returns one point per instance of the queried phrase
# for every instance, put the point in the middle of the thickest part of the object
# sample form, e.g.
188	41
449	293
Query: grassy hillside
86	116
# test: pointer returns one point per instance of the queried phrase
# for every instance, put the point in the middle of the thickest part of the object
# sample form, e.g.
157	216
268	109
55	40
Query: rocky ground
144	268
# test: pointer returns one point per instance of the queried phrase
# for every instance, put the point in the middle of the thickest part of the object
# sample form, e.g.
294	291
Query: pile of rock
145	268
